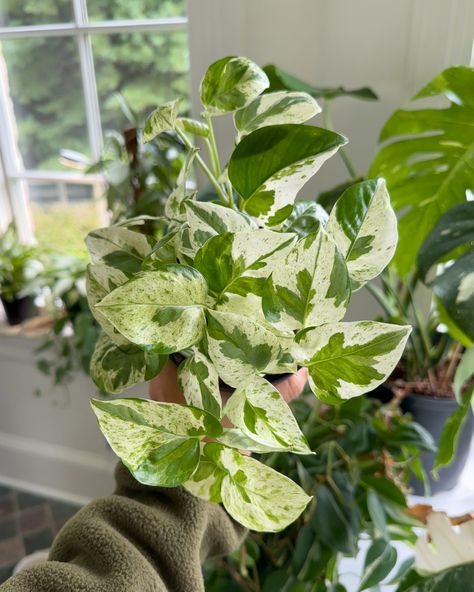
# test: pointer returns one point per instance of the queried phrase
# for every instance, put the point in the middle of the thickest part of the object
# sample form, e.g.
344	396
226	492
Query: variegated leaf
310	287
239	347
207	481
160	310
114	368
164	251
230	84
235	438
274	109
193	126
364	227
346	360
307	217
175	204
255	495
119	247
207	219
158	442
199	381
259	410
239	263
161	120
270	165
100	281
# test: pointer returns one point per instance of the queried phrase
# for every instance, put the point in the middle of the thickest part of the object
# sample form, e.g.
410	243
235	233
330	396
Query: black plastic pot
432	413
19	309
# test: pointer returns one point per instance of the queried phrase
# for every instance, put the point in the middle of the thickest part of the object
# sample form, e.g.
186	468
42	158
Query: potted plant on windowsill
18	268
428	161
242	289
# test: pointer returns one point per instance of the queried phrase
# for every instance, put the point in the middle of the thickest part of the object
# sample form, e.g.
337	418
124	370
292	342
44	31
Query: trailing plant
427	159
19	266
243	288
364	456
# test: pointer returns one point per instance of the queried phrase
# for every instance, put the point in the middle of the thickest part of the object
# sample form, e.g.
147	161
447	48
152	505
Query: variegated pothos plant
246	286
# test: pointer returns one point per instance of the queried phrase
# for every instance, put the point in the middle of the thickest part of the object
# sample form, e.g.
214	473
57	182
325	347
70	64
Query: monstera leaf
427	160
453	238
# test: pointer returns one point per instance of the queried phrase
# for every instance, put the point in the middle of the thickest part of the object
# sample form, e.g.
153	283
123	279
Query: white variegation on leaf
206	219
100	281
364	226
161	120
114	368
317	290
119	247
158	442
275	108
239	347
199	381
207	481
160	310
255	495
235	438
346	360
231	83
174	206
270	166
193	126
260	412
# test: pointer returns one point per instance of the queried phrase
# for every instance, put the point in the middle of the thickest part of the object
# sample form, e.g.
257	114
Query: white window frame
15	176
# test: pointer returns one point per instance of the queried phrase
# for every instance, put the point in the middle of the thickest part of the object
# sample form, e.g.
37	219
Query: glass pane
44	82
34	12
63	213
105	10
146	68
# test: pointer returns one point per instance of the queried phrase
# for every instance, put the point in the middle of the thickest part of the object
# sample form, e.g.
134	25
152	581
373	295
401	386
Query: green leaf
306	218
199	381
255	495
379	562
119	247
464	372
231	83
193	126
455	578
206	219
270	165
206	482
386	488
275	109
235	438
160	310
377	513
364	227
158	442
239	347
427	160
281	80
449	438
336	519
100	281
162	119
176	202
114	368
310	287
239	263
346	360
259	410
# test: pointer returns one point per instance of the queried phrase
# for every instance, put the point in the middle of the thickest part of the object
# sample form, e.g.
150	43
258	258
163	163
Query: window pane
105	10
146	68
45	86
34	12
63	213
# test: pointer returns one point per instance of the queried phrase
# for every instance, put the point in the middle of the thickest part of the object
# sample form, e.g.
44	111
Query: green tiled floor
28	523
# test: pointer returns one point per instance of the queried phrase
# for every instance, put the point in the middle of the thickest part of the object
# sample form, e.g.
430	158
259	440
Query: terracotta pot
432	413
19	309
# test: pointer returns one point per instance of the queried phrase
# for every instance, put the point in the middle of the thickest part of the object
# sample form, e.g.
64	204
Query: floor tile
35	518
4	489
9	528
38	540
62	511
11	551
7	505
27	500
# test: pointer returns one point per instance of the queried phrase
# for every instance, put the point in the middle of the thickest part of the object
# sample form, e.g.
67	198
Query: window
61	63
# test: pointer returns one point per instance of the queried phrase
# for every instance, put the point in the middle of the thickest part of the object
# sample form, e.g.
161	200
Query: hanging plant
241	290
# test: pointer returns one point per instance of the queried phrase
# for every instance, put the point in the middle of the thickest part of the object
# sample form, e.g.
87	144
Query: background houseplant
242	290
427	160
19	265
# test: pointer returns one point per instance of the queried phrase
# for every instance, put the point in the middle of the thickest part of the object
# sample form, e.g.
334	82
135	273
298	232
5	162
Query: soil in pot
432	413
19	309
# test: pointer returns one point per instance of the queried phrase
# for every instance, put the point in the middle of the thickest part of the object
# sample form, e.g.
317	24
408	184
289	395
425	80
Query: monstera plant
236	292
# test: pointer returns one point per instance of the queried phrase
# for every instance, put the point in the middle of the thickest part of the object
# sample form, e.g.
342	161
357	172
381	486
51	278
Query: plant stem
452	366
214	154
204	167
327	118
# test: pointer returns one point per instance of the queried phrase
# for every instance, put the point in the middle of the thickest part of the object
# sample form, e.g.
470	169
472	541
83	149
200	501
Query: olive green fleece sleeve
140	539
